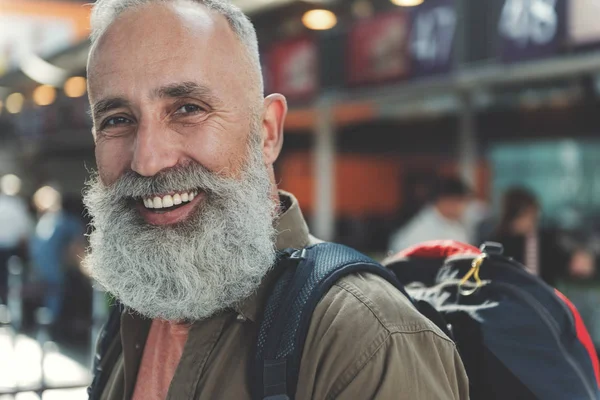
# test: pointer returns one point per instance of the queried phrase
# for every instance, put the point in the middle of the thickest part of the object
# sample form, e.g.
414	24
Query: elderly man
188	220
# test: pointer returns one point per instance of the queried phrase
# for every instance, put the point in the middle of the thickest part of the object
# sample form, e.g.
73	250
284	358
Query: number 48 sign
531	28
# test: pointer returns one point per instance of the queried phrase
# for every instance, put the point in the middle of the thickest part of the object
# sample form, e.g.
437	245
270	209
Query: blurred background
409	120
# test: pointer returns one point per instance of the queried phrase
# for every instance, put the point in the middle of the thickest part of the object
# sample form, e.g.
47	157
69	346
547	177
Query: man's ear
275	110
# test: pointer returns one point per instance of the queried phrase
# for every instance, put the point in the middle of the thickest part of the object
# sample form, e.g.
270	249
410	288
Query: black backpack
518	338
305	276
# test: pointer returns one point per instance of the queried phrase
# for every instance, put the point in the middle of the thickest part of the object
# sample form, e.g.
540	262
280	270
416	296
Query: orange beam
304	119
300	119
347	114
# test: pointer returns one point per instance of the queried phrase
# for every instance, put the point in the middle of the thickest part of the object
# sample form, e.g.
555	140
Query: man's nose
154	150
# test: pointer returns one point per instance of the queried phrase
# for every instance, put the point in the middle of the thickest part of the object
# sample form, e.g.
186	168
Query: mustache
189	176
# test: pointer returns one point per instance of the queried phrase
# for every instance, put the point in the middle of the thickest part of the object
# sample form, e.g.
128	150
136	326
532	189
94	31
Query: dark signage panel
292	68
377	49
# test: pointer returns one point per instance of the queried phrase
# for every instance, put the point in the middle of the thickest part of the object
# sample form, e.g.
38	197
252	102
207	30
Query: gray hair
105	12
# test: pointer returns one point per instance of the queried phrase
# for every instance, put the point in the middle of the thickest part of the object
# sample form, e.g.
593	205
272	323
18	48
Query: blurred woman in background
16	224
519	231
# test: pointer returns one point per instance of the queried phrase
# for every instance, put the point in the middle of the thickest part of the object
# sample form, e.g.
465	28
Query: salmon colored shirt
162	353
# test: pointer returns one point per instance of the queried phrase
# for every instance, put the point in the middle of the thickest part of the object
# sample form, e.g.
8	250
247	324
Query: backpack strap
108	349
308	274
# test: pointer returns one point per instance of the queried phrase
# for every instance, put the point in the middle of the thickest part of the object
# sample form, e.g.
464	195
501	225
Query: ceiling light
75	86
319	20
407	3
14	103
44	95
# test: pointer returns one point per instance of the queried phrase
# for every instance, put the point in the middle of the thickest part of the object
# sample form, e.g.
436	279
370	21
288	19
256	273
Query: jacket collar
292	232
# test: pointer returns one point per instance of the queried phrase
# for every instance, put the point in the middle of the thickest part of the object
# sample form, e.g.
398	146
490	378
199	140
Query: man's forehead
157	32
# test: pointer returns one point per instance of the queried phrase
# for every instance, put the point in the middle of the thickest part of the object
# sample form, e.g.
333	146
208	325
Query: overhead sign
530	29
377	49
399	45
292	68
583	21
433	28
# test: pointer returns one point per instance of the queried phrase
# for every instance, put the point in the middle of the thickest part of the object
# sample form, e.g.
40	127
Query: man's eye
188	109
116	121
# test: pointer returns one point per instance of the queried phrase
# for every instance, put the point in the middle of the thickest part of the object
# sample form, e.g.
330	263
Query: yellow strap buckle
473	272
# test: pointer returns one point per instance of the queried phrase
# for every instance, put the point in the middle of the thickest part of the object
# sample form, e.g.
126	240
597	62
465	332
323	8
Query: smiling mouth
164	203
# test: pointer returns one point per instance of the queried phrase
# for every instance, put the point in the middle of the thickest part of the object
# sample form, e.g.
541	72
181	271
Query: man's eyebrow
105	105
186	89
174	90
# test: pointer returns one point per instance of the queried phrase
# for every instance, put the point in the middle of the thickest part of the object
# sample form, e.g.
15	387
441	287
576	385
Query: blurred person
15	227
440	220
539	250
187	219
416	193
476	219
76	314
56	244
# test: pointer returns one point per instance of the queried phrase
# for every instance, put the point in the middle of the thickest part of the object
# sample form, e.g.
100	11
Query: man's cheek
110	164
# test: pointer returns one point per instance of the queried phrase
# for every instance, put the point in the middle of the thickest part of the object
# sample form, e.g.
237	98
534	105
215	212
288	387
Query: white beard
197	268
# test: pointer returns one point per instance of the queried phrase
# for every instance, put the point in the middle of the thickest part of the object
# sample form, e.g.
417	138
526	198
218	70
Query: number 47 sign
433	27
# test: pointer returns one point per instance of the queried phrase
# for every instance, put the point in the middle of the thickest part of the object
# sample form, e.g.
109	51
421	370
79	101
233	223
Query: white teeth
167	201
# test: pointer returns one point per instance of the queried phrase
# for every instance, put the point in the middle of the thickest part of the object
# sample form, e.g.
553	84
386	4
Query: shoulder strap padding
310	273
